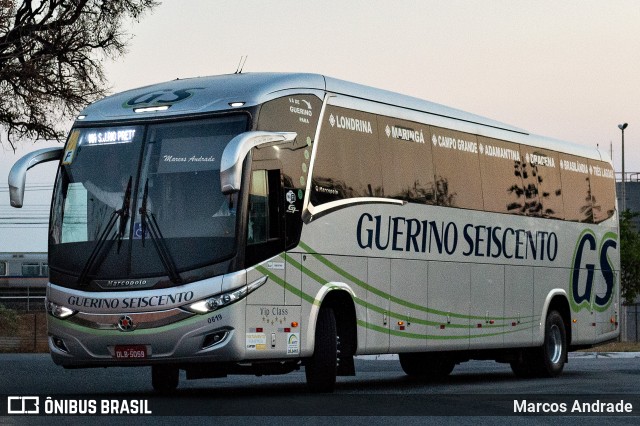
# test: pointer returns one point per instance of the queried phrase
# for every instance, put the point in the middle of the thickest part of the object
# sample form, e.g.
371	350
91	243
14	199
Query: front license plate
131	352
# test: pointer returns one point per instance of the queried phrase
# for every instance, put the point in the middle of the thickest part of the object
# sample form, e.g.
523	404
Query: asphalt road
380	388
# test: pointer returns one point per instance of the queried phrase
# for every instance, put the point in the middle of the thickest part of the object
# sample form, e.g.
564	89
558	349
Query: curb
604	355
573	355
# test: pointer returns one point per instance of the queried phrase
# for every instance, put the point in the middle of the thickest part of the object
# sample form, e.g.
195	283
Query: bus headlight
59	311
221	300
217	302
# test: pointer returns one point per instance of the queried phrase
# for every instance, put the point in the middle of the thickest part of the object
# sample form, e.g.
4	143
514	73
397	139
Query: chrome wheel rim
554	344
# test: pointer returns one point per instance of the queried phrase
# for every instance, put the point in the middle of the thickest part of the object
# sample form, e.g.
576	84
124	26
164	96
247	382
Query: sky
567	70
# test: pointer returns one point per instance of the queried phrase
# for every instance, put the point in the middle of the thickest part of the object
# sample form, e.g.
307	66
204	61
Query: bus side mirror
237	149
18	173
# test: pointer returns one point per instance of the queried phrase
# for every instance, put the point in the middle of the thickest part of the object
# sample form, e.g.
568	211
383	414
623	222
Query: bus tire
426	366
321	368
164	378
549	359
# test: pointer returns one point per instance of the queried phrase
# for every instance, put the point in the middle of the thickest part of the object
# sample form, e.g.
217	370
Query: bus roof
200	95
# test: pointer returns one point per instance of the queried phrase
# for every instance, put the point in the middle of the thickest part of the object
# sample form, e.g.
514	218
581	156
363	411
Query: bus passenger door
273	226
273	310
265	236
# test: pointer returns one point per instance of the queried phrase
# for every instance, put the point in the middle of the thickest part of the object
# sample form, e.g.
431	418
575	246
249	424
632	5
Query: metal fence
631	330
23	299
27	334
27	330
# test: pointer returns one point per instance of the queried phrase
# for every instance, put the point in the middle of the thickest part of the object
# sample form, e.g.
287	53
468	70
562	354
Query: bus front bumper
129	339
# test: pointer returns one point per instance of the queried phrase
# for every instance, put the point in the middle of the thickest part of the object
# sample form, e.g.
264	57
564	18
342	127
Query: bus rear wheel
164	378
426	366
549	359
321	368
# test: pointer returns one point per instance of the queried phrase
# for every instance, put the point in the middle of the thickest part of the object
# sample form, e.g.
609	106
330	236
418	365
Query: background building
631	313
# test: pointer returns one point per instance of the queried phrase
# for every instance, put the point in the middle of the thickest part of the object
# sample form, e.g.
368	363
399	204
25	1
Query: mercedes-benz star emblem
125	323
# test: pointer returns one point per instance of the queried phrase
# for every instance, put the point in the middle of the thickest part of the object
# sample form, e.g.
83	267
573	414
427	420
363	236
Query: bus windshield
131	199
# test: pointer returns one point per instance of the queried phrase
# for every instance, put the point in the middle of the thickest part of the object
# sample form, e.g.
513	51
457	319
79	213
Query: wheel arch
345	312
340	298
557	300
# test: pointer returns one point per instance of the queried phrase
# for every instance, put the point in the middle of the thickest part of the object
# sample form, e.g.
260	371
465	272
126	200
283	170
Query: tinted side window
296	113
501	170
264	235
603	194
576	192
456	169
542	183
407	172
347	163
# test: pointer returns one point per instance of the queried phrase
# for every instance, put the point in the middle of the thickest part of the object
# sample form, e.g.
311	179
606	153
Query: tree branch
49	66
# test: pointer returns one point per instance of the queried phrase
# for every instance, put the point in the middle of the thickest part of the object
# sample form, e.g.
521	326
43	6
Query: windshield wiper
149	222
123	213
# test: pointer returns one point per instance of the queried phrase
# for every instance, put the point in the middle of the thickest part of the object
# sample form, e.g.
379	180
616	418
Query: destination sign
109	136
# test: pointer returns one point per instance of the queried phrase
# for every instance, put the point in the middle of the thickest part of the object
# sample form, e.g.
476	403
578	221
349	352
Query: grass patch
616	347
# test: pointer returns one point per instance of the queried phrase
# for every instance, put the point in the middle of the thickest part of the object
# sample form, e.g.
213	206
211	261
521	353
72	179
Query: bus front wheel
321	368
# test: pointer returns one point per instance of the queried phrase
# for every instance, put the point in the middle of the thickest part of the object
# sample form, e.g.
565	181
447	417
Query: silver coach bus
257	223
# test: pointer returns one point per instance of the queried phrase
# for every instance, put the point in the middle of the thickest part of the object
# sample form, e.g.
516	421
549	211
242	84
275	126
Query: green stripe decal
310	299
523	326
287	286
382	294
432	336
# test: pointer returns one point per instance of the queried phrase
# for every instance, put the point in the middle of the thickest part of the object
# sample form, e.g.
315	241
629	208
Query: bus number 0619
214	318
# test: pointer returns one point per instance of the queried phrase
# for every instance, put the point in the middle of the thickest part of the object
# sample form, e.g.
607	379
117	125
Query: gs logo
586	254
160	97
